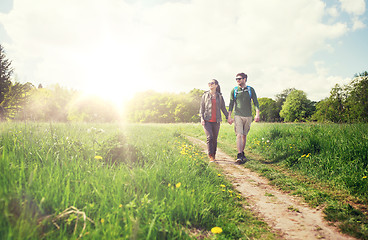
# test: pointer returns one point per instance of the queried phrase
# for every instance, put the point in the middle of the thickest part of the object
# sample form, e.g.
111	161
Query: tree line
346	104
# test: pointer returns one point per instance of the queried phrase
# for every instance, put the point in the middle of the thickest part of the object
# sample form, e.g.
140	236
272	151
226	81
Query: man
240	98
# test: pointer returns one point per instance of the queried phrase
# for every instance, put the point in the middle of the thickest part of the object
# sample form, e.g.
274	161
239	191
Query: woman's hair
218	88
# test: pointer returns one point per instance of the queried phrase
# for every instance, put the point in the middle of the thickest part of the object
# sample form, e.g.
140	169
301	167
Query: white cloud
357	24
118	48
355	7
333	12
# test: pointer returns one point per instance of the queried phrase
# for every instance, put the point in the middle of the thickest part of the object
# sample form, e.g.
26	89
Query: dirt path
287	215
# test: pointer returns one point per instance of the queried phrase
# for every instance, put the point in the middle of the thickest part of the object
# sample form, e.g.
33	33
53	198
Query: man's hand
257	118
230	120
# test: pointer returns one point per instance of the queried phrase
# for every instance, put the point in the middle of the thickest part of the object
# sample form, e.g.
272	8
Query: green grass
326	164
130	182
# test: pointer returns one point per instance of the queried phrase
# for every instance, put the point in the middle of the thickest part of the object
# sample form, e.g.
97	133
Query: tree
49	104
15	99
6	72
280	99
164	107
297	107
347	103
268	109
92	109
357	98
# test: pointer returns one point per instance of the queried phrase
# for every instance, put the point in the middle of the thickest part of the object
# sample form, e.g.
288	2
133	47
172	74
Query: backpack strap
236	92
250	92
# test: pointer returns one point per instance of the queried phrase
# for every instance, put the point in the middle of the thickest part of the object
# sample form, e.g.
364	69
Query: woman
212	104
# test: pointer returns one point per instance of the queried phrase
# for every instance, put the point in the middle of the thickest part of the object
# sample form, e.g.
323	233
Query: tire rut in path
287	215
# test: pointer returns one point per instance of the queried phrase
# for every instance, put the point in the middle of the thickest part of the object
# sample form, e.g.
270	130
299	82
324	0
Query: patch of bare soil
287	215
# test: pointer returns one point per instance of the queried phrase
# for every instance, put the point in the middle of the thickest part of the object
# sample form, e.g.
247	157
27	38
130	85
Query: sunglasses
211	83
238	79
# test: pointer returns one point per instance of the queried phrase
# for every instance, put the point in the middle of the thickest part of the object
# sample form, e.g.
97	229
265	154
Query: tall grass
326	164
132	182
329	152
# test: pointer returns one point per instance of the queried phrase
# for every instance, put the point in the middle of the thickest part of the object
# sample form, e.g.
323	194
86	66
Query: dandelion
102	220
98	157
303	155
222	185
169	185
178	185
365	177
121	205
219	175
216	230
308	155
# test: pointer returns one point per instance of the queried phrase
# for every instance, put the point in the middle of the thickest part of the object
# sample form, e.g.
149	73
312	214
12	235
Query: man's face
241	81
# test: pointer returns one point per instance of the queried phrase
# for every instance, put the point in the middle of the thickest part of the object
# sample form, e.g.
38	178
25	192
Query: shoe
212	159
239	158
244	159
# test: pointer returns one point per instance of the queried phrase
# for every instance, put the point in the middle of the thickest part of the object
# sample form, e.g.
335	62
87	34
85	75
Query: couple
212	104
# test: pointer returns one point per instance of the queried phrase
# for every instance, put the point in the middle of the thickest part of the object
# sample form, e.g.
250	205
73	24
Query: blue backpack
236	92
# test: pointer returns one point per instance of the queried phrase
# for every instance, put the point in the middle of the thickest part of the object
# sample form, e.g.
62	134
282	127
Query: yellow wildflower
365	177
98	157
216	230
178	185
102	220
219	175
121	205
222	185
169	185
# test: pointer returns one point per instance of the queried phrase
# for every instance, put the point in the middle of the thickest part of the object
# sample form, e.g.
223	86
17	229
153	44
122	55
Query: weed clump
117	150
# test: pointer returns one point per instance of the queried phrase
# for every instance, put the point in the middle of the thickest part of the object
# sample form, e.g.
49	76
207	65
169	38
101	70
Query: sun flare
112	71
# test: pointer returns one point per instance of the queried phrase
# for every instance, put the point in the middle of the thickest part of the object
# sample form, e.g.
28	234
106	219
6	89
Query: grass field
67	181
326	164
145	181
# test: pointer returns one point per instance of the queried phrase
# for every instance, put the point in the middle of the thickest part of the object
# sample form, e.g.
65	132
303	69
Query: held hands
230	120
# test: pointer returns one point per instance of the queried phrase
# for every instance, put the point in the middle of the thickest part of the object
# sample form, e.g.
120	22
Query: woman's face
212	84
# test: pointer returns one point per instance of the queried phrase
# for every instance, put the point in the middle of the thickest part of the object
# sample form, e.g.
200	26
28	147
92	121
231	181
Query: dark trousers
212	130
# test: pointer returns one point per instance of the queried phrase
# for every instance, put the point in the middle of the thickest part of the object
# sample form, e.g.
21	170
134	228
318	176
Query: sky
116	48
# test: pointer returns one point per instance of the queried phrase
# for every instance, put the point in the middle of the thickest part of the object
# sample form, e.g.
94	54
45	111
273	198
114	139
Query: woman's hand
202	122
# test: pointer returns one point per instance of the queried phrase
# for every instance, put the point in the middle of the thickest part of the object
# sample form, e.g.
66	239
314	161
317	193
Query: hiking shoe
244	160
239	158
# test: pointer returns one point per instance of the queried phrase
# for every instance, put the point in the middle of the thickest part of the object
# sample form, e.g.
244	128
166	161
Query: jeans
212	130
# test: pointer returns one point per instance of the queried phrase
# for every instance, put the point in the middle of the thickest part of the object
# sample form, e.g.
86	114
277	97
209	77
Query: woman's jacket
205	110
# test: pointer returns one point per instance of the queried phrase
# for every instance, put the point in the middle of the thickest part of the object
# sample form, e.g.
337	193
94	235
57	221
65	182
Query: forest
24	101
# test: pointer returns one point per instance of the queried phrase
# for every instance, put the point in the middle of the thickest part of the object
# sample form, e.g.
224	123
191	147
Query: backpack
236	92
